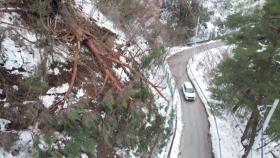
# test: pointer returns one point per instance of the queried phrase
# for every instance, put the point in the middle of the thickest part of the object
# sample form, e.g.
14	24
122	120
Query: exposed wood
74	71
106	70
75	29
71	22
139	75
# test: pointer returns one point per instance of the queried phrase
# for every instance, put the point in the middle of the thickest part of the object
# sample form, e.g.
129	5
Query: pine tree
252	76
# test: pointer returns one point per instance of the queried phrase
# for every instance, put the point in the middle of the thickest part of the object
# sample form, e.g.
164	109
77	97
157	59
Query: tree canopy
251	77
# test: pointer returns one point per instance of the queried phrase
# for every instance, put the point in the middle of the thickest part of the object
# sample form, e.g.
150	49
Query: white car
188	91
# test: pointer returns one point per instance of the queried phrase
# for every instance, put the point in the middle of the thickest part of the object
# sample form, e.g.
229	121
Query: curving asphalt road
195	140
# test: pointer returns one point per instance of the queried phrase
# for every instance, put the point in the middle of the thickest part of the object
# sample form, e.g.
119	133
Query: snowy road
195	140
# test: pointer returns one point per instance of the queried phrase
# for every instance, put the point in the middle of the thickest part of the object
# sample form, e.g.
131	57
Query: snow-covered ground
88	7
22	56
226	129
23	145
219	10
171	110
225	134
16	42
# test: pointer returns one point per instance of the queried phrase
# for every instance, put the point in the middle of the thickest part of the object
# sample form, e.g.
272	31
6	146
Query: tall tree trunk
252	134
248	125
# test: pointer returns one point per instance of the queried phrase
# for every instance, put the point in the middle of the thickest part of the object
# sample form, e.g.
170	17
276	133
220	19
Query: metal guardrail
173	101
175	130
172	89
197	42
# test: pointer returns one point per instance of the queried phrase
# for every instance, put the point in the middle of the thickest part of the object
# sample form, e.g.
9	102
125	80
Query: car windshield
189	90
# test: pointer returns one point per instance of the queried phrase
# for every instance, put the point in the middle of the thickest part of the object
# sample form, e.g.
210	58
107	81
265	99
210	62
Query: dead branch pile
75	29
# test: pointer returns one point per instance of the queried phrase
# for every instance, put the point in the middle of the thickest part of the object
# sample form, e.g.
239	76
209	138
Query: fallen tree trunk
83	36
75	29
86	37
70	21
106	70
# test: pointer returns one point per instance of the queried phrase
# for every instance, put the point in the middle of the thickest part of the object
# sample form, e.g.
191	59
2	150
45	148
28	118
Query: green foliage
34	85
39	153
109	102
240	20
121	123
72	119
80	126
155	55
253	72
274	125
90	121
144	93
186	15
50	119
81	141
138	136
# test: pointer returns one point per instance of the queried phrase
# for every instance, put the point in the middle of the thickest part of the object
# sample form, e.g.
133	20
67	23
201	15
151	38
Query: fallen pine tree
72	27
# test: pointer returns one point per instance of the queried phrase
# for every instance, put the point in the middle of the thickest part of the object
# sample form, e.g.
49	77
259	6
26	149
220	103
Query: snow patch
62	55
59	90
145	110
56	71
15	87
47	100
263	48
25	137
28	102
3	123
16	57
83	155
80	93
23	145
88	7
6	105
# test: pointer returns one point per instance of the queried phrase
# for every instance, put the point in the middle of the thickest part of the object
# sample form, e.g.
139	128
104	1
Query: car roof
188	85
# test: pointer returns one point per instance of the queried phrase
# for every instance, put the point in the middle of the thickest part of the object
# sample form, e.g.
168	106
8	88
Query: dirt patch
7	140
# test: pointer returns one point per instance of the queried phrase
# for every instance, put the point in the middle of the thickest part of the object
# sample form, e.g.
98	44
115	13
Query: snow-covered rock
3	123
